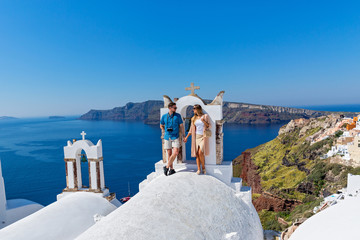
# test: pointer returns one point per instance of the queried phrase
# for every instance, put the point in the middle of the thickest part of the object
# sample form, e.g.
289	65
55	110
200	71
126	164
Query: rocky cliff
237	113
287	176
148	111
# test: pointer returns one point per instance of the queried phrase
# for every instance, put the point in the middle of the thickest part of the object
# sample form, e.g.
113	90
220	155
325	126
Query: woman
199	142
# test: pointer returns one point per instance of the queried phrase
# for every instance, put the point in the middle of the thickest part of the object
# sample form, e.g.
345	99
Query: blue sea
32	157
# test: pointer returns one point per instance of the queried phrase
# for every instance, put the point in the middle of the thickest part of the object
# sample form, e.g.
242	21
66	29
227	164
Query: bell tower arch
73	158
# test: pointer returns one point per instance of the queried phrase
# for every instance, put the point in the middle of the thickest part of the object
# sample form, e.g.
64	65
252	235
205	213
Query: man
172	126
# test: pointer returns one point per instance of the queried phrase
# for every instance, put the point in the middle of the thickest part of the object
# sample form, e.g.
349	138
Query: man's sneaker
172	171
166	170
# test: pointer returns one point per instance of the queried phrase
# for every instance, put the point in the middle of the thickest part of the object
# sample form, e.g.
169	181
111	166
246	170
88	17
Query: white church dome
181	206
340	221
63	219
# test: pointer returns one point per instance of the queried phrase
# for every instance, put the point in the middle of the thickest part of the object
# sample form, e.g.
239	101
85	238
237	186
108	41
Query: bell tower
73	159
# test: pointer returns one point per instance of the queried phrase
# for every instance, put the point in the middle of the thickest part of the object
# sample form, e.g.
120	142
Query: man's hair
171	105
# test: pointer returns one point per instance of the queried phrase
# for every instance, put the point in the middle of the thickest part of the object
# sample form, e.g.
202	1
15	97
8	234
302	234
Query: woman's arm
205	122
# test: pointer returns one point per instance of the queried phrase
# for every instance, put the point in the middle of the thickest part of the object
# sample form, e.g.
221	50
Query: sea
32	155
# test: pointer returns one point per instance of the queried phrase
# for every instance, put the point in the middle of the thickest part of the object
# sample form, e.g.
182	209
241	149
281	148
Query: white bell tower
72	153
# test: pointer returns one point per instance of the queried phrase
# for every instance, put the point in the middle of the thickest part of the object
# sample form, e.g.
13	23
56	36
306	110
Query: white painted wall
71	176
353	184
64	219
2	197
102	177
93	175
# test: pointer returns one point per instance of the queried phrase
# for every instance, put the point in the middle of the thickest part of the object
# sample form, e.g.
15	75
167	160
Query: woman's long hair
199	111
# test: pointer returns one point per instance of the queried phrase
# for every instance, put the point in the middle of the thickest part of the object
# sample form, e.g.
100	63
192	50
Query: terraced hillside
287	176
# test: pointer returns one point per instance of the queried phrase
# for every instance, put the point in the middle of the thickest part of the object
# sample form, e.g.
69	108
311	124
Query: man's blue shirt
171	121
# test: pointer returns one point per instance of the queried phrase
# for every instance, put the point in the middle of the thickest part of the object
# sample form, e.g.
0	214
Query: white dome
340	221
63	219
181	206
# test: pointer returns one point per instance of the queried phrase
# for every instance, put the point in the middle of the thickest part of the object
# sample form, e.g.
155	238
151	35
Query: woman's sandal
198	172
204	171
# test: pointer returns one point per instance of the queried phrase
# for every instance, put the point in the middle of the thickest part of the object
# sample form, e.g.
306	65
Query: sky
67	57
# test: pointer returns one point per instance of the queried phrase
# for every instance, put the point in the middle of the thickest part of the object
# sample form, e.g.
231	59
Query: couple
172	126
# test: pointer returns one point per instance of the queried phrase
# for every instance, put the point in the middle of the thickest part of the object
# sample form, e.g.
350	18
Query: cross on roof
83	135
192	89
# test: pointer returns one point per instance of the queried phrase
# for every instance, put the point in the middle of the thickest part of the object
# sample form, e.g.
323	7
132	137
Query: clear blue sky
66	57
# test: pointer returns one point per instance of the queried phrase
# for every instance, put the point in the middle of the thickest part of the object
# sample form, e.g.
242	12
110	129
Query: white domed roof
340	221
181	206
63	219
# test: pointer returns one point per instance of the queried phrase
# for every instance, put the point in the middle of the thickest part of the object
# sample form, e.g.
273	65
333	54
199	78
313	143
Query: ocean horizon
31	151
331	107
32	157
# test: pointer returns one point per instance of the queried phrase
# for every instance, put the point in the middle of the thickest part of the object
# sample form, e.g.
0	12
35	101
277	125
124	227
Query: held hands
185	139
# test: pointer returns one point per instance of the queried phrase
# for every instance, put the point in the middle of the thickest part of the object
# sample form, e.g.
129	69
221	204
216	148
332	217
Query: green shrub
355	171
338	133
237	169
269	220
334	168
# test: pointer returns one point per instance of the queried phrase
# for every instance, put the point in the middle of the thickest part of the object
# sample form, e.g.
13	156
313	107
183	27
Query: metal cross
192	89
83	135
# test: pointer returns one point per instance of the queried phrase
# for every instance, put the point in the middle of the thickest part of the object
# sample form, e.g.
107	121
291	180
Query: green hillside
293	178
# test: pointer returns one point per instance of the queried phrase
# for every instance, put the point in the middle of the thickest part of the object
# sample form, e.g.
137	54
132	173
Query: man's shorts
169	144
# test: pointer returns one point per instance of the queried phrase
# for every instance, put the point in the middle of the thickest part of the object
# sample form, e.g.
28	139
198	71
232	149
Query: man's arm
162	123
162	126
182	130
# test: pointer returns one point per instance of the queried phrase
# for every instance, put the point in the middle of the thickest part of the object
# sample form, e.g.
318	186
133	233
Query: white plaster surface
93	175
17	209
64	219
222	172
2	198
181	206
353	185
340	221
91	150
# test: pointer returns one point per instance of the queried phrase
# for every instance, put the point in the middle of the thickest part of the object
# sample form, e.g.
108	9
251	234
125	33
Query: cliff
287	176
236	113
146	111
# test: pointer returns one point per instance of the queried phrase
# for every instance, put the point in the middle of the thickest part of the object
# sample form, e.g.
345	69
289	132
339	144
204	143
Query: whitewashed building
353	185
342	150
